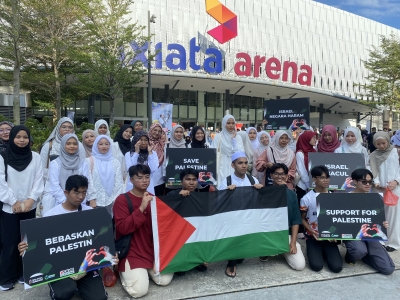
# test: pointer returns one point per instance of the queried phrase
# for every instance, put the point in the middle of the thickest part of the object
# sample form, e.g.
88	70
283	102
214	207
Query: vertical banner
162	113
287	114
66	245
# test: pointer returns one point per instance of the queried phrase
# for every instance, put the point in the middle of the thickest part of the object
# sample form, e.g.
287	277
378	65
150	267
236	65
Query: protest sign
202	160
287	114
162	114
351	216
340	166
66	245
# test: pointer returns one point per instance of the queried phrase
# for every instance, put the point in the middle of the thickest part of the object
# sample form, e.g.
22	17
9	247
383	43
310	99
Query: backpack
229	180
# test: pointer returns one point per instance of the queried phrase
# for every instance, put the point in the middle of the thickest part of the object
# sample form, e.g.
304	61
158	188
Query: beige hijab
377	157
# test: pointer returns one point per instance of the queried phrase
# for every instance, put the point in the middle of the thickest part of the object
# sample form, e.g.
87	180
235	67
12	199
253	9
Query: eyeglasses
142	178
322	178
5	130
82	194
67	127
279	174
365	182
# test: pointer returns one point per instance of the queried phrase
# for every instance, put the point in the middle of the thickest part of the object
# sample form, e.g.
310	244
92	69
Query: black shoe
7	287
390	249
263	258
348	259
21	280
179	274
201	268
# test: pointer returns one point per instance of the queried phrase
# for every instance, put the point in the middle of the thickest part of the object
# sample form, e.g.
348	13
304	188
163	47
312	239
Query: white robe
389	171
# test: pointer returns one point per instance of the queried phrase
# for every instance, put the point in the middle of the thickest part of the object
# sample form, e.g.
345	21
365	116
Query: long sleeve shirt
303	183
97	191
152	162
21	186
137	223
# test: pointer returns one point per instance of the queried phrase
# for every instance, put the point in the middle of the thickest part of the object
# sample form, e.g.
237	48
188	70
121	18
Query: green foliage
39	131
113	130
84	126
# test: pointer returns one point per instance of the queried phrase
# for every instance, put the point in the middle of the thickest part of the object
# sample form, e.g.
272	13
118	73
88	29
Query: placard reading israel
340	166
66	245
202	160
351	216
287	114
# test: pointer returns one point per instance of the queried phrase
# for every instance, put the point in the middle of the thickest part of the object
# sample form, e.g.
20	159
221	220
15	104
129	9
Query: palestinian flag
216	226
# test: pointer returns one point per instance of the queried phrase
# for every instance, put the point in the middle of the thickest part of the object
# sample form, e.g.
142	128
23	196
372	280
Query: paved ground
251	275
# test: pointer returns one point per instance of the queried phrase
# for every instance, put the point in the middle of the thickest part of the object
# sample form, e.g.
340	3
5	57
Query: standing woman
329	140
122	145
5	129
51	147
384	162
101	127
226	142
199	138
278	152
67	163
352	143
88	137
305	145
248	150
142	153
21	184
157	143
137	126
263	140
252	133
105	175
177	138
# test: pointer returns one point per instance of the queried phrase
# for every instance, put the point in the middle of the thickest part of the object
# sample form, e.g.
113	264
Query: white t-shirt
237	181
60	210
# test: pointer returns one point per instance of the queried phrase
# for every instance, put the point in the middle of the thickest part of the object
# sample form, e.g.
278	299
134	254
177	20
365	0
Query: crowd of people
69	176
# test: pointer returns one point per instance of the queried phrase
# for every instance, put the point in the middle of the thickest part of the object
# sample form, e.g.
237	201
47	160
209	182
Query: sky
383	11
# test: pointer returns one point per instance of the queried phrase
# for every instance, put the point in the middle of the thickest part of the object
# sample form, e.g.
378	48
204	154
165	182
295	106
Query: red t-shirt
141	252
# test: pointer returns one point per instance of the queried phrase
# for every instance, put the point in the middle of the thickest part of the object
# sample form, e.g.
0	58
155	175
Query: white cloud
373	8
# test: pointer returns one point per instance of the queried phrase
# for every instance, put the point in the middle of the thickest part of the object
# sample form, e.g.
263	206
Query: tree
10	49
383	87
108	65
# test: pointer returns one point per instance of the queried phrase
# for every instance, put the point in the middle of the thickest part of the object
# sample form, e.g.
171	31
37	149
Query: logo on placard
334	235
35	278
48	277
67	272
347	236
228	20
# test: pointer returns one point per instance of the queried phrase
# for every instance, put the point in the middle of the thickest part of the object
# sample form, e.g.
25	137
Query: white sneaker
6	287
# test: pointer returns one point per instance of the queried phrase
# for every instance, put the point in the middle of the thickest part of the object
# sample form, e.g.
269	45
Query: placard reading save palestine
351	216
340	166
65	245
200	159
287	114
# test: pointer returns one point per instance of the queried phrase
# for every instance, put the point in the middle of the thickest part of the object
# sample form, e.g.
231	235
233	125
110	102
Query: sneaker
390	249
263	258
179	274
348	259
201	268
21	280
7	286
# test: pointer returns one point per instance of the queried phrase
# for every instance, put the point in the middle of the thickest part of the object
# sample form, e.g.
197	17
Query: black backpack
229	180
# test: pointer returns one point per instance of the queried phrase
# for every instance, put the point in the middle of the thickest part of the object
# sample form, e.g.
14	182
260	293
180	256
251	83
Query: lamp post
149	94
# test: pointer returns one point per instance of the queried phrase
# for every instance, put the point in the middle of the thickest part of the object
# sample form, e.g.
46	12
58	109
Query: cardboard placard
66	245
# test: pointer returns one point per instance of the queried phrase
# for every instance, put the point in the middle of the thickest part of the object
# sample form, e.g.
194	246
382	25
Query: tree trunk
17	64
390	117
58	85
111	122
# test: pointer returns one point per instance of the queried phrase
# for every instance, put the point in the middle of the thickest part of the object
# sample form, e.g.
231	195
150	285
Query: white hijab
356	147
261	148
254	143
226	137
104	164
248	149
56	137
98	124
282	155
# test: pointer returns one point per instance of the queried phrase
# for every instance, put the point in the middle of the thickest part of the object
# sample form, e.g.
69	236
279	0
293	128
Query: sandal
231	270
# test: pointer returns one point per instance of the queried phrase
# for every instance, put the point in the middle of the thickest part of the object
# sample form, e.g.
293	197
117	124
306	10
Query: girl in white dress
101	127
352	143
264	139
226	142
122	145
105	176
384	162
252	133
88	137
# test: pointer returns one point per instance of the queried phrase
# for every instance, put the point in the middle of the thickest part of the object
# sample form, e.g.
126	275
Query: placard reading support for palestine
65	245
351	216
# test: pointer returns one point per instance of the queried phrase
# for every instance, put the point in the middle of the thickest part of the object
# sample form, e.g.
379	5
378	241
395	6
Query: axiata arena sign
213	63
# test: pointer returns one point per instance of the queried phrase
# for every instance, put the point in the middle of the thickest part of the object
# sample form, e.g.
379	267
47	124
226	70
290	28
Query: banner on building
162	114
286	114
202	160
340	166
66	245
217	226
351	216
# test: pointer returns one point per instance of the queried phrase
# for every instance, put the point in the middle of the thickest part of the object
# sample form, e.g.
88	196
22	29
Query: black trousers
318	250
90	287
159	190
10	260
300	194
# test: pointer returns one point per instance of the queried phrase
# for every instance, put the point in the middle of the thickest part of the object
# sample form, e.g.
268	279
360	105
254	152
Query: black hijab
16	157
143	153
124	145
195	143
